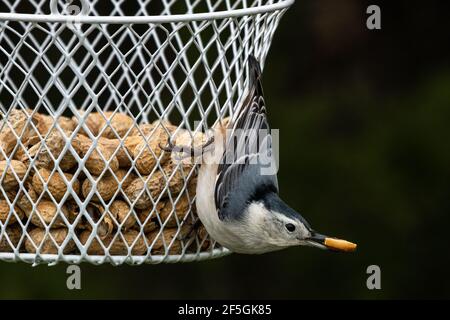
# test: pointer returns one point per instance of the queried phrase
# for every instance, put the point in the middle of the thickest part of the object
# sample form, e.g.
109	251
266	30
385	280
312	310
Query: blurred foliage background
365	154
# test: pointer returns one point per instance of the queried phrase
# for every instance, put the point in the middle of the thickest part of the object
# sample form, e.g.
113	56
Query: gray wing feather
239	173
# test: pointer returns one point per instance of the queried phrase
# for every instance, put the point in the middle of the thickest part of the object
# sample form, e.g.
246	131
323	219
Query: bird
237	196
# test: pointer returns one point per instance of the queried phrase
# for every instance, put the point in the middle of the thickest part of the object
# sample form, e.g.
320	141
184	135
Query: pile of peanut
116	197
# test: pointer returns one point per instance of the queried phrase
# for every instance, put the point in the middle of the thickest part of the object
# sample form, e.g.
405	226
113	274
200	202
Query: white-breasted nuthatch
237	201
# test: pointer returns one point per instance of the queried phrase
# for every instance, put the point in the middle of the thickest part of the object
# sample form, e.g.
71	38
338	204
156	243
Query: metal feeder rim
153	19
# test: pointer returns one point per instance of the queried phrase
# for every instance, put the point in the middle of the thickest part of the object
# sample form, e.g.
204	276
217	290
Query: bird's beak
324	242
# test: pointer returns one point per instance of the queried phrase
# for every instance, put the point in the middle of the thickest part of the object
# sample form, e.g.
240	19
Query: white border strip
146	19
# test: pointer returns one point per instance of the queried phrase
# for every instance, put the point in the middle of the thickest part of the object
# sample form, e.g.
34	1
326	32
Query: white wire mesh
68	91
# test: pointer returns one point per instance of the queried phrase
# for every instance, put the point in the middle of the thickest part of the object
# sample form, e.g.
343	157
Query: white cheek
259	225
257	214
263	226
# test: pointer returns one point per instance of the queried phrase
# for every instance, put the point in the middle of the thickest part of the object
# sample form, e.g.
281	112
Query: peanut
161	123
108	185
9	181
14	234
204	238
54	183
46	123
51	148
147	152
47	214
20	152
117	246
120	124
169	214
118	148
145	223
16	124
81	144
143	132
49	241
93	121
27	198
32	154
186	139
124	214
131	143
66	123
8	210
103	220
97	161
177	179
168	239
143	190
113	145
45	210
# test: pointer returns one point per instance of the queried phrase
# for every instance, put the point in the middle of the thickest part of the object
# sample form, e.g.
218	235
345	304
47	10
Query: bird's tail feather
254	89
255	75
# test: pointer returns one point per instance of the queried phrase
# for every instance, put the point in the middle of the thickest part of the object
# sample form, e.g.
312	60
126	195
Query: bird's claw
171	147
188	151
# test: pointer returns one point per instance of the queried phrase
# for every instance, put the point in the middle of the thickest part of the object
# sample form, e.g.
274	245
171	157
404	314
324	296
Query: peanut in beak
339	245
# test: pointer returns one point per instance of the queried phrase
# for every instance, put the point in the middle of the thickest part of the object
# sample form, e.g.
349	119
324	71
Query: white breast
226	233
205	202
206	207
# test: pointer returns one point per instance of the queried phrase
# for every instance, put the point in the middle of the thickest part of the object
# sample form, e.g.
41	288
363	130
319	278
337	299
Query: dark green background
363	118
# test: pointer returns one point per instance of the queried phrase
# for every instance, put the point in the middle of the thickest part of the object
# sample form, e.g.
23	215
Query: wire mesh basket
88	92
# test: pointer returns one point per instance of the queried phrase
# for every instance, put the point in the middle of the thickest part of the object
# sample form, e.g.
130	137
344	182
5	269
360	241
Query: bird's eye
290	227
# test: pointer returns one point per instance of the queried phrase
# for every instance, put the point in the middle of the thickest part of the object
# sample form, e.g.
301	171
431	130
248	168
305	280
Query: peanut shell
120	124
169	215
39	237
131	143
163	124
104	220
148	224
125	216
185	138
177	173
137	191
118	246
108	185
54	183
114	147
46	123
25	201
18	123
147	152
96	162
5	212
14	234
20	152
204	238
51	148
9	181
165	239
93	121
142	190
45	212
